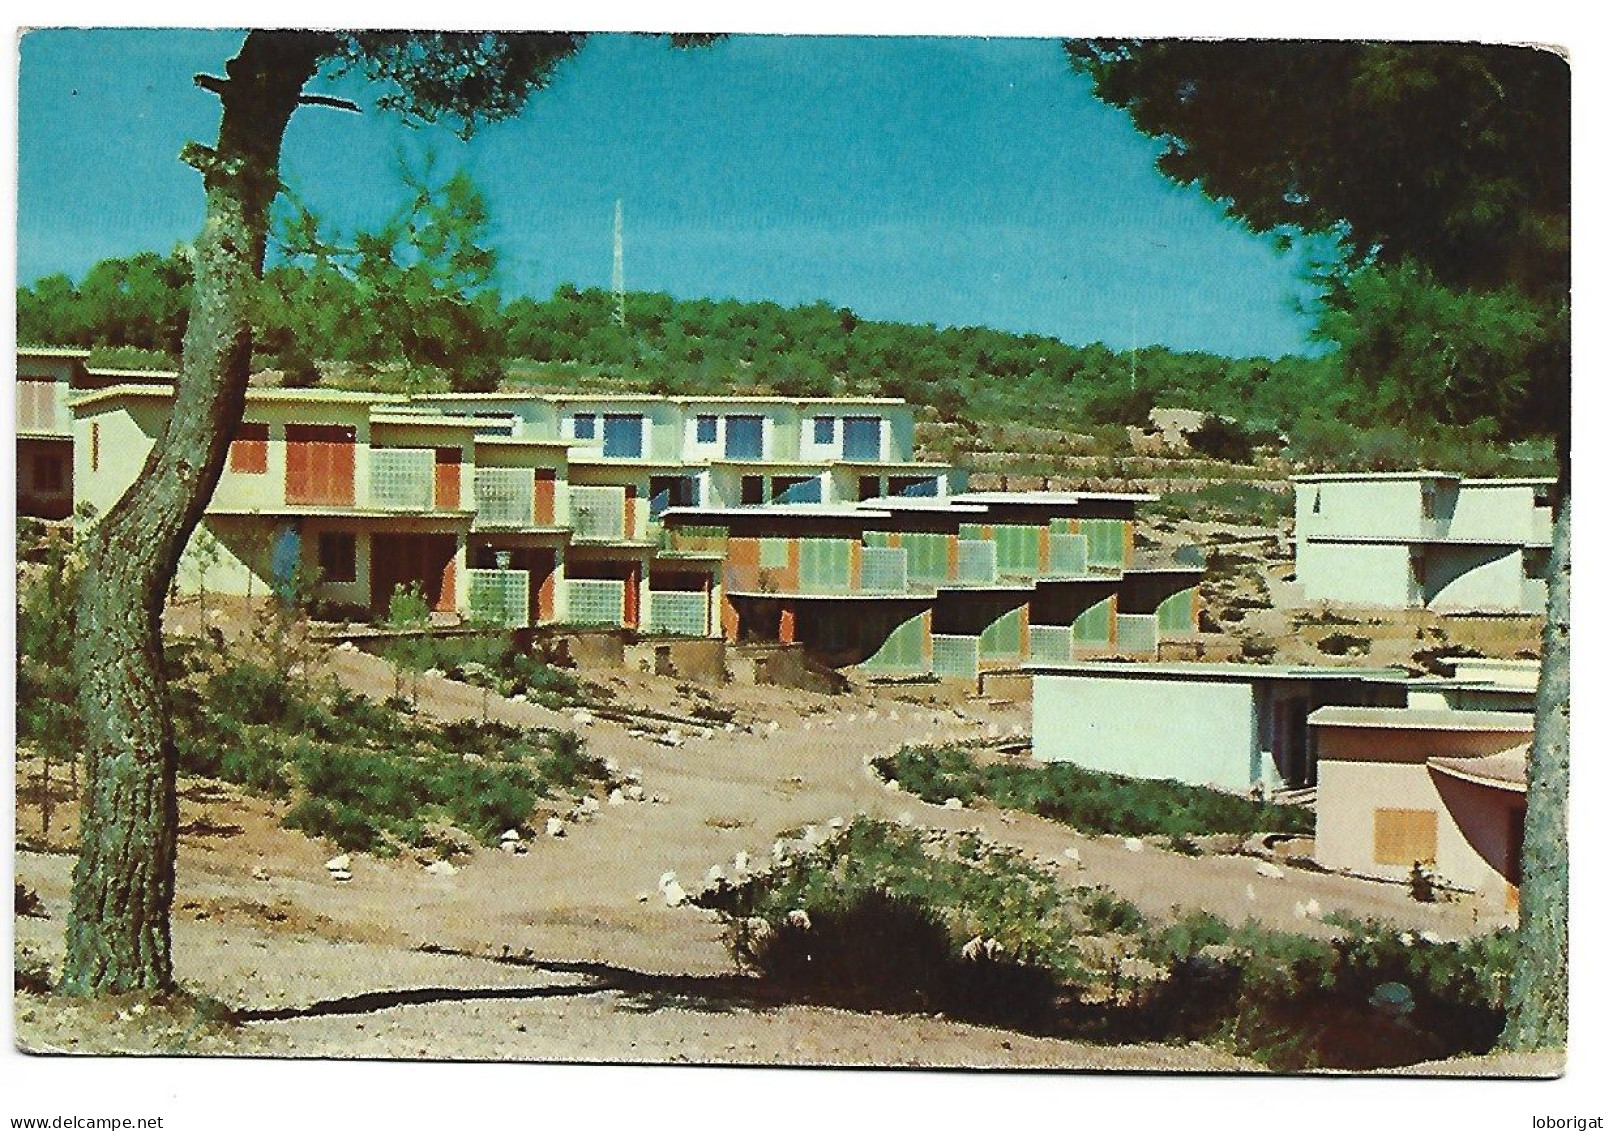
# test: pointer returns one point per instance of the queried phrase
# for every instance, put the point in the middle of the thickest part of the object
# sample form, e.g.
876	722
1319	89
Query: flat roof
1217	671
1528	481
1508	770
932	504
656	398
51	351
781	510
1367	476
1045	497
150	374
519	441
331	396
429	419
1423	718
1423	540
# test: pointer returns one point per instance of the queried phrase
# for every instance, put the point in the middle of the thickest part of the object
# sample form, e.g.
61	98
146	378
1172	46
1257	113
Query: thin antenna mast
618	284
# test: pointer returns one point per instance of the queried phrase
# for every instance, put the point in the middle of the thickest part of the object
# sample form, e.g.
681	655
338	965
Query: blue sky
954	181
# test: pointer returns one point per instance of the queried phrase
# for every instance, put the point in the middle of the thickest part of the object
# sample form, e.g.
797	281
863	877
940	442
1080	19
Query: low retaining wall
698	660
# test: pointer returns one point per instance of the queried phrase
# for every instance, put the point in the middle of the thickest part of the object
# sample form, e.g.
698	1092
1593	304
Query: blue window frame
624	435
823	430
582	426
744	439
862	437
705	429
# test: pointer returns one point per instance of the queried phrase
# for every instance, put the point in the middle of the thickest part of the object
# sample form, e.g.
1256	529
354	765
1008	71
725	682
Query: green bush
884	917
1087	800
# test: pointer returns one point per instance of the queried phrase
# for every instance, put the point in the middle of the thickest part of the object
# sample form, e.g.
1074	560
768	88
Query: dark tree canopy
1455	155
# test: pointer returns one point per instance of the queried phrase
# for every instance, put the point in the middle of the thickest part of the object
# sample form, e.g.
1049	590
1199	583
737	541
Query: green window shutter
1002	636
1106	541
1176	613
826	564
1019	549
902	650
1092	626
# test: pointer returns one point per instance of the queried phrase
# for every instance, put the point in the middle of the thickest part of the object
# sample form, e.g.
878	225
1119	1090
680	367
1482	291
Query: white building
1423	539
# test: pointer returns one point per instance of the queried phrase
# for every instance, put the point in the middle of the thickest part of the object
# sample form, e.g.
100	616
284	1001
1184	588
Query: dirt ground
568	952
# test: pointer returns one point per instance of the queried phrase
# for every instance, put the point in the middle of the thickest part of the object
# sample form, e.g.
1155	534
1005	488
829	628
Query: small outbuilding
1443	789
1233	726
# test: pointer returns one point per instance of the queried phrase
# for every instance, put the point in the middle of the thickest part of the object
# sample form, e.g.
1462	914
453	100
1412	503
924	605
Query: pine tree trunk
1537	1007
117	930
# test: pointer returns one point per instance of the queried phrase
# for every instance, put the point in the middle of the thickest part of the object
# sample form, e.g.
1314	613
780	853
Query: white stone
1269	870
433	673
893	785
1431	937
339	863
1249	890
674	894
904	818
799	918
772	726
341	875
554	826
582	718
441	868
589	804
836	823
259	873
616	798
741	862
510	834
953	803
634	792
714	874
1313	909
1073	855
1133	844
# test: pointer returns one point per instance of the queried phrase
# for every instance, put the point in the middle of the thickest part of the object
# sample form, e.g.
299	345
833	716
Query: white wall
1359	507
1355	573
1473	578
1201	732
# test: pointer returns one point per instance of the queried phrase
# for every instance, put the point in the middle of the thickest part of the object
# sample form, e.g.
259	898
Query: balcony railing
504	496
500	596
403	478
677	613
884	570
977	562
590	601
955	657
598	514
1137	633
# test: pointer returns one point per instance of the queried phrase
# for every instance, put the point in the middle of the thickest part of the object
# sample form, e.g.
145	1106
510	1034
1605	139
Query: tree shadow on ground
642	992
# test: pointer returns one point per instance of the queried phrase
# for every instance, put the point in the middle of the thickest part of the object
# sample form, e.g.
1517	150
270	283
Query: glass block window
884	571
705	429
977	563
823	429
624	435
1068	555
595	601
403	478
744	438
1092	626
1137	633
676	613
1051	643
504	496
1002	637
500	596
598	514
955	657
826	565
862	437
582	426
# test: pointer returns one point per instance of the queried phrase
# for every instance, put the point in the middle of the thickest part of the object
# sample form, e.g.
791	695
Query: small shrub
1343	643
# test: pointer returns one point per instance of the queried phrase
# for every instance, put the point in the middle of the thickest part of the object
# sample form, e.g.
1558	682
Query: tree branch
331	101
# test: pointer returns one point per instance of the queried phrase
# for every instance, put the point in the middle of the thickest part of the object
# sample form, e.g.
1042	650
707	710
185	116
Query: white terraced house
795	521
1423	540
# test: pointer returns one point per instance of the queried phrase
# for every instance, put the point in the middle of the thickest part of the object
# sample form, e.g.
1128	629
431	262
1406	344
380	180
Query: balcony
883	570
500	596
504	497
677	613
598	514
403	479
